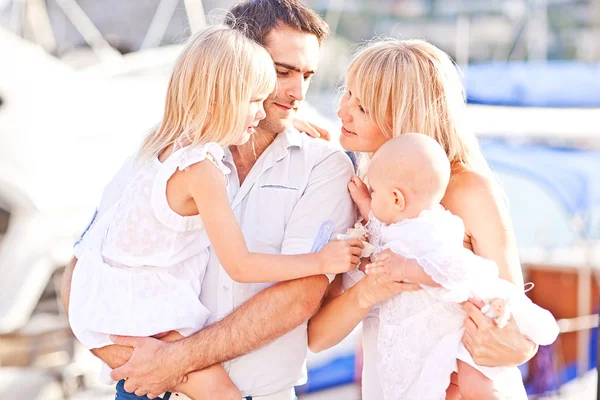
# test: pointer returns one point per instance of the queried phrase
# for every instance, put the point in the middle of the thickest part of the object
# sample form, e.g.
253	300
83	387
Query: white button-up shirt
293	200
294	197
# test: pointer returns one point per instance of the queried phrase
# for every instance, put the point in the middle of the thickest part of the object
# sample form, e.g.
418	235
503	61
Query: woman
401	86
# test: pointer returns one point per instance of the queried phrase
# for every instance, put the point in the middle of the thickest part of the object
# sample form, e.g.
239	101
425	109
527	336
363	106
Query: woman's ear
399	200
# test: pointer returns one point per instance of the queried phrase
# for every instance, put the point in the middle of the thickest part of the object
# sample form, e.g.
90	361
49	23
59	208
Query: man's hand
312	129
154	368
492	346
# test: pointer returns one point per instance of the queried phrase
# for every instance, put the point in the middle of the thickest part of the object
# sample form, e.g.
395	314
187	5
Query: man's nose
297	88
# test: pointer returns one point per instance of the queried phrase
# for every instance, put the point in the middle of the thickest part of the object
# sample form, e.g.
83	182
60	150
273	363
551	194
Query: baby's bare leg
474	385
210	383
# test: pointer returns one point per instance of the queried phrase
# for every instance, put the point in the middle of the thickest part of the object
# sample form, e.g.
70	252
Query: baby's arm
360	195
206	185
394	267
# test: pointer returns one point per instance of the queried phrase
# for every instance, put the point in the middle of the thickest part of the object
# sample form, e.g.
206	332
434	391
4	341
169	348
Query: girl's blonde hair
412	86
216	75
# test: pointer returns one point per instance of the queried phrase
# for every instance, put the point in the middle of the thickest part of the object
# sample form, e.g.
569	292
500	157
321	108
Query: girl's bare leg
210	383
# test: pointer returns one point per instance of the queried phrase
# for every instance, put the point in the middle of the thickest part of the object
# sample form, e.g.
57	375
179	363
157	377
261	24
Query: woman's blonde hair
216	75
412	86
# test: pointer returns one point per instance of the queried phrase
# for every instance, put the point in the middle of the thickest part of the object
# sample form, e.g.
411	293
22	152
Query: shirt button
225	288
326	228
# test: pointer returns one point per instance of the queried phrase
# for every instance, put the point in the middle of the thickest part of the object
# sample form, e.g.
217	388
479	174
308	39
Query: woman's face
359	133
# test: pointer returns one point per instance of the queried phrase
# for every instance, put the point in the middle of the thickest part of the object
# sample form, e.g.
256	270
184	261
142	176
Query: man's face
296	56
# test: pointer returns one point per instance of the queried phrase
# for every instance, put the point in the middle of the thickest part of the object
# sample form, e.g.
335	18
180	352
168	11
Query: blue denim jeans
122	394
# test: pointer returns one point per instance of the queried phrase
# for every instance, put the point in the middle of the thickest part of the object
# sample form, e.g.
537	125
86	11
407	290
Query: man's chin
277	125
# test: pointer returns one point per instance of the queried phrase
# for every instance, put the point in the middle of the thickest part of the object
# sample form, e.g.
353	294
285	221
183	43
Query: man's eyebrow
288	66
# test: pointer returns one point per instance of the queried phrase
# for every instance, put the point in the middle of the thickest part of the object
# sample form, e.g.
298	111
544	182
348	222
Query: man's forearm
262	319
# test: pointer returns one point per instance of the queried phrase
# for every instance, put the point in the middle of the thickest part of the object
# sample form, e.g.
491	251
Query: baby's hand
360	195
358	190
388	266
340	256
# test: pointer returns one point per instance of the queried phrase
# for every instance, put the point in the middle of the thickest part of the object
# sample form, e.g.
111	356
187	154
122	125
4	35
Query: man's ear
399	200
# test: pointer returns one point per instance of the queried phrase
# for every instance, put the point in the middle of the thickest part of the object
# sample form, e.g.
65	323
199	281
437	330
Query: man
289	193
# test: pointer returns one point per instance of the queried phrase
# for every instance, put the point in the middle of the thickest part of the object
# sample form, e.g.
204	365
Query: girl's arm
207	187
342	311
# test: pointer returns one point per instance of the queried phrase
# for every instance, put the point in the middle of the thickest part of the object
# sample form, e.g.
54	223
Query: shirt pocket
276	186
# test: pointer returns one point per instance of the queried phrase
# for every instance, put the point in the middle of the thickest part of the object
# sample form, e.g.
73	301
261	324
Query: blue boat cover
534	84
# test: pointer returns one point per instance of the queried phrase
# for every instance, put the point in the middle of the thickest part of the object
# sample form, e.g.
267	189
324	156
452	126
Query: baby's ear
399	200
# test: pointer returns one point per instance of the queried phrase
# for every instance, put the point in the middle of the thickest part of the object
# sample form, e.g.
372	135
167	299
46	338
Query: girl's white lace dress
141	265
420	332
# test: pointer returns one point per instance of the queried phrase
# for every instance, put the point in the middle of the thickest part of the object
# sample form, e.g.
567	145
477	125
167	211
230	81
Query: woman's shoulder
466	182
470	191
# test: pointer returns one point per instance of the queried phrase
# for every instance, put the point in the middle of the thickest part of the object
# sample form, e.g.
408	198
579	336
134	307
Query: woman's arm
206	186
342	311
479	201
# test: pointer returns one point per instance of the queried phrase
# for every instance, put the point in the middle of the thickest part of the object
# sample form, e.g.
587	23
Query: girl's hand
372	290
340	256
311	129
492	346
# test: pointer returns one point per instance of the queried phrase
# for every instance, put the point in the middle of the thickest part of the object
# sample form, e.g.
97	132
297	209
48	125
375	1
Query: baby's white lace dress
420	332
141	266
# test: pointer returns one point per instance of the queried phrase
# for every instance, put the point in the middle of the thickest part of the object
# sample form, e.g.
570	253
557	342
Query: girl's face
359	133
256	112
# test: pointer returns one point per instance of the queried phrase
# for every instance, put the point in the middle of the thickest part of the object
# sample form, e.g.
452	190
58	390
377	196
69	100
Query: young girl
140	271
420	332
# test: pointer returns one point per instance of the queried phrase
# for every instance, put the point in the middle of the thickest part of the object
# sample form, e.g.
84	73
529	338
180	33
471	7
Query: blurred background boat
82	81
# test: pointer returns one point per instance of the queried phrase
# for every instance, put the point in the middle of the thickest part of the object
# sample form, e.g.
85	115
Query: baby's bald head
417	166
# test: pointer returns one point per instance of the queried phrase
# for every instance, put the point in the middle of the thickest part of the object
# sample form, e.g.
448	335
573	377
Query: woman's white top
419	335
140	272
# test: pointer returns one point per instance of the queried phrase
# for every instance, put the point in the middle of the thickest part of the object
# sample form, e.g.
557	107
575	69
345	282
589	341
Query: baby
419	342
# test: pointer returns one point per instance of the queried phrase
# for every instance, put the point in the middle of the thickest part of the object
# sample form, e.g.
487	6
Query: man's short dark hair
256	18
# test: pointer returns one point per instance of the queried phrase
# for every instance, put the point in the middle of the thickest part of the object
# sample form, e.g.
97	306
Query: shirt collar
291	137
